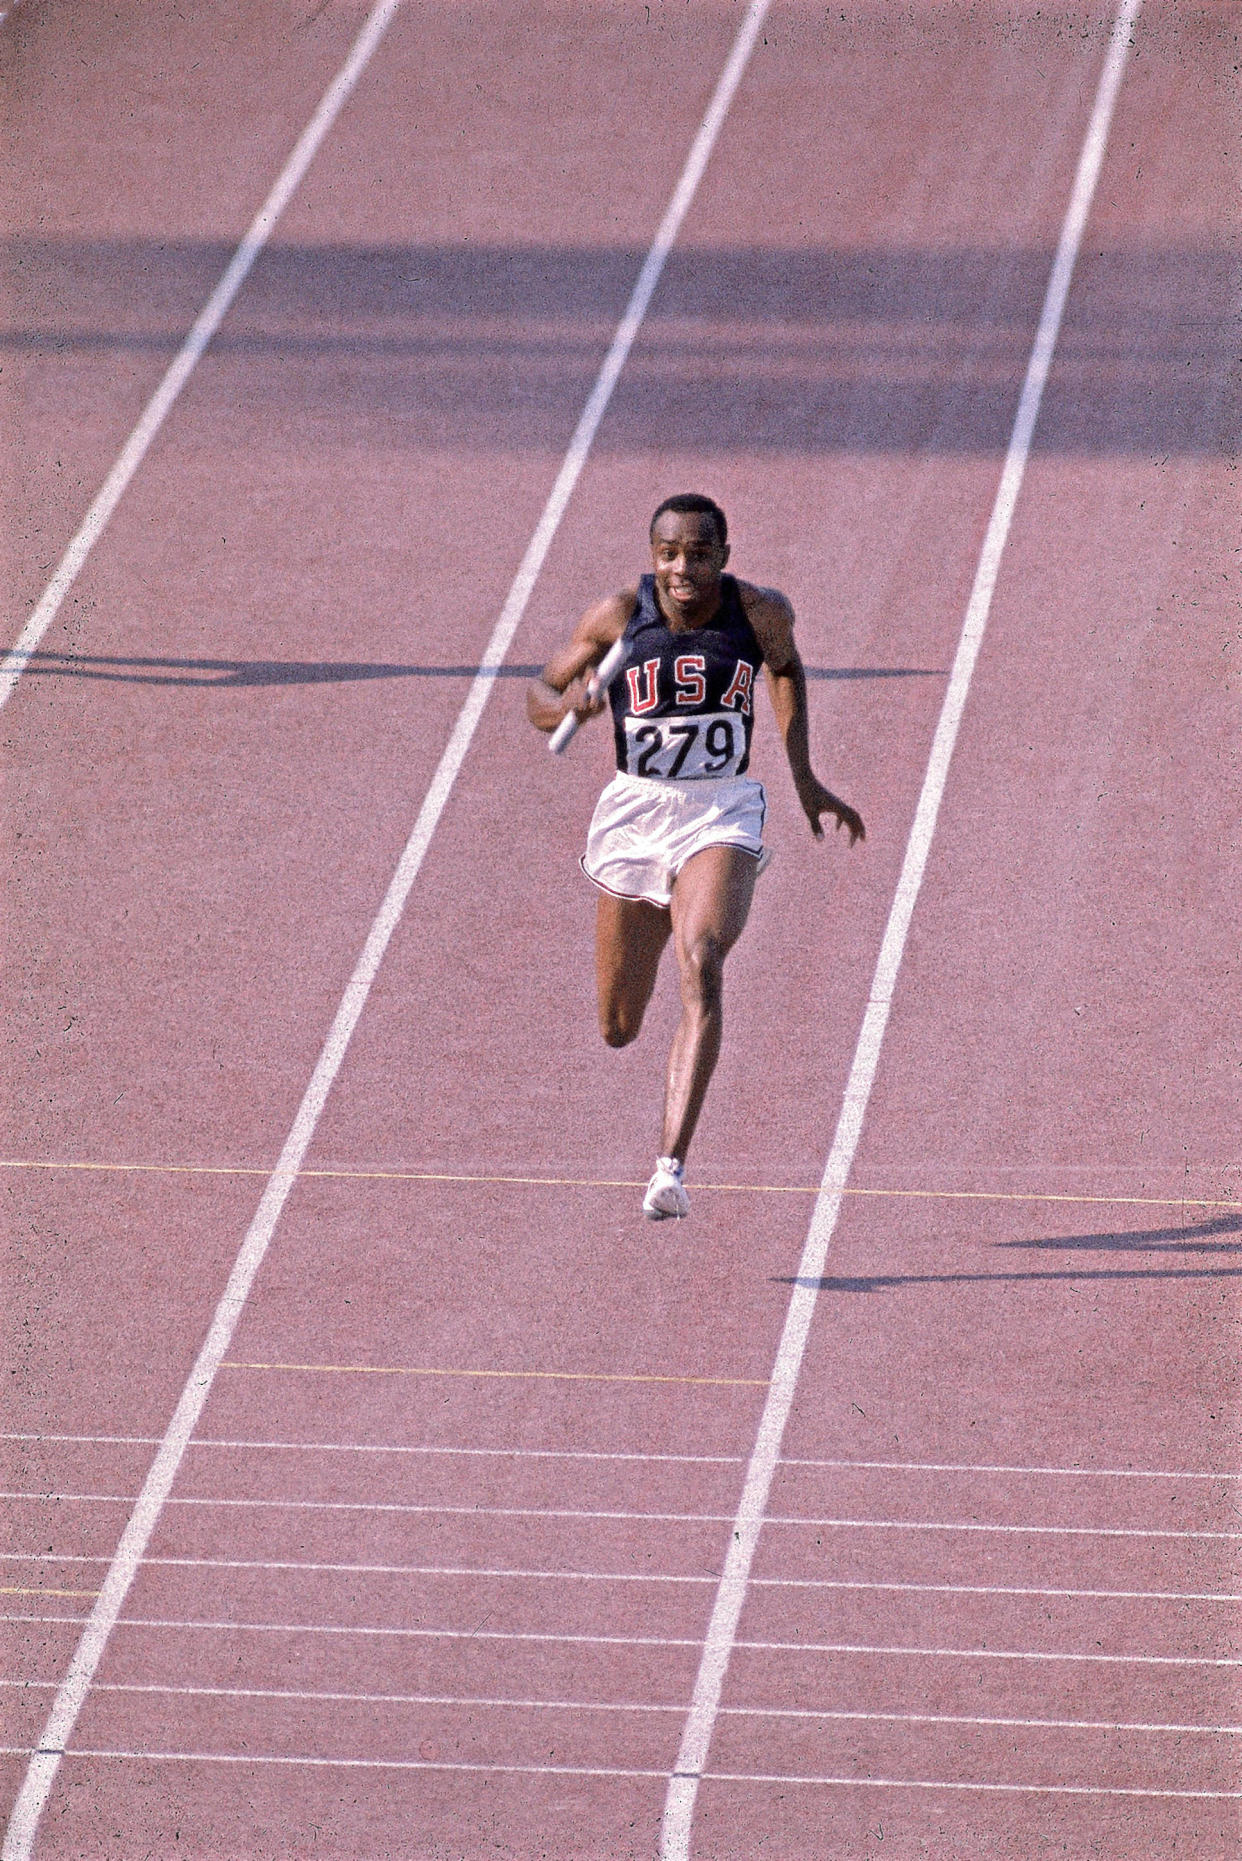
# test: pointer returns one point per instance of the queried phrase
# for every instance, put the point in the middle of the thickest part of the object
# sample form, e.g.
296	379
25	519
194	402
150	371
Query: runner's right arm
562	686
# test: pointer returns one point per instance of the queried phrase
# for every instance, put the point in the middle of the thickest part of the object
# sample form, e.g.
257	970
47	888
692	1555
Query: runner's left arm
772	618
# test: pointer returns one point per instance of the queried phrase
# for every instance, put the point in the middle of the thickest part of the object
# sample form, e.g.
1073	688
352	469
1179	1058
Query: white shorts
643	832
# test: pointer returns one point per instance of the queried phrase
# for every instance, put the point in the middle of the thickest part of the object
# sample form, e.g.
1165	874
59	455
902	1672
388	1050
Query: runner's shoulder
606	620
771	615
768	603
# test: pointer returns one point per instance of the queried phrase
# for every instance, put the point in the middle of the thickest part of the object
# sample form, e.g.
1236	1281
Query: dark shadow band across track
245	672
878	350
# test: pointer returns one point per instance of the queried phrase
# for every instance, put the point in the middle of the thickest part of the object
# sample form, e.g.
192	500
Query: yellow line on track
549	1376
36	1590
605	1182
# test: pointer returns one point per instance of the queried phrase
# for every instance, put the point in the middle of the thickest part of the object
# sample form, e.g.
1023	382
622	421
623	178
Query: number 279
717	744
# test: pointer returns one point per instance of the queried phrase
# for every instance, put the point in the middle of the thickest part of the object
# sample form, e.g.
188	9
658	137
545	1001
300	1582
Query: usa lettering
740	694
644	684
690	674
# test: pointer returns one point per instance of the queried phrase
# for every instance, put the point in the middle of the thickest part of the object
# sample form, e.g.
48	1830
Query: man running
676	844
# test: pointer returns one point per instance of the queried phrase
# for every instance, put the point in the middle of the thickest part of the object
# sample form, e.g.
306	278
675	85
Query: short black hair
686	502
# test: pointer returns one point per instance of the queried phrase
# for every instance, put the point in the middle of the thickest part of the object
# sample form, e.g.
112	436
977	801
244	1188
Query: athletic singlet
684	707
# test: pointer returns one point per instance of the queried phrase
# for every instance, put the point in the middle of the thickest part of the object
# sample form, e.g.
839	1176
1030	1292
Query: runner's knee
702	971
619	1024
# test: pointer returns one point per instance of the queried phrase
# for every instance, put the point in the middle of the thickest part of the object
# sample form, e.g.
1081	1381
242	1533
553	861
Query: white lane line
1041	1591
368	1505
722	1628
40	1775
433	1570
665	1518
473	1700
1018	1530
628	1576
1012	1789
658	1518
990	1654
58	1499
482	1453
947	1718
88	1440
1024	1470
208	321
349	1764
386	1447
385	1570
986	1589
599	1770
10	1615
382	1699
403	1632
389	1632
1027	1471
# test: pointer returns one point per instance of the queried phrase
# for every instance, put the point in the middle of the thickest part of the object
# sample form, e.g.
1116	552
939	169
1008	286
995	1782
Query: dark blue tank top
684	707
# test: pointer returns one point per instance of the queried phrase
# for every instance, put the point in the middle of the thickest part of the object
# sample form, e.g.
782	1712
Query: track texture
437	1566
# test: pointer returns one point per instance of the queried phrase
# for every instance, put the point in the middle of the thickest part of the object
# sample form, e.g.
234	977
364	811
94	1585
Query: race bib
685	748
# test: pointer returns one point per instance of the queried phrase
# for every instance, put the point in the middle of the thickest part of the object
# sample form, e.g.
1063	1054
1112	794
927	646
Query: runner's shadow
233	674
1180	1241
1148	1240
848	672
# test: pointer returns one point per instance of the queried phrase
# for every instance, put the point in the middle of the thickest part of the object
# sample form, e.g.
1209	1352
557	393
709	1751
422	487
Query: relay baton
602	677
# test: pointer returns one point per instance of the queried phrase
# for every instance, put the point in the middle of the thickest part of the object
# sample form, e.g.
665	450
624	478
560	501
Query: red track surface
1005	1533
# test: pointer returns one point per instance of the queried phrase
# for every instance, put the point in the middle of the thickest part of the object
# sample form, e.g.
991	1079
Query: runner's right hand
582	701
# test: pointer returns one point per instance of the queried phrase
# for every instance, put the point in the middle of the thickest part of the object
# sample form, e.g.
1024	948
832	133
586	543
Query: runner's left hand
817	800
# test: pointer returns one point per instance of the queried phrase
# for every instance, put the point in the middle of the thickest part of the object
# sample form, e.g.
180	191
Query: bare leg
630	935
711	900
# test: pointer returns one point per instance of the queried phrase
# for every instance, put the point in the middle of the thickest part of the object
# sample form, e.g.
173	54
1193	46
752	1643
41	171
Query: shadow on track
1148	1240
1179	1241
881	349
234	673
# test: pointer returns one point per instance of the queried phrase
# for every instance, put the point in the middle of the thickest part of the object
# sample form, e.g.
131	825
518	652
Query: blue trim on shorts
640	898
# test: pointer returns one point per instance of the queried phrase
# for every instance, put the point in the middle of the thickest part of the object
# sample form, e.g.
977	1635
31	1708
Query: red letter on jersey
646	698
741	687
689	670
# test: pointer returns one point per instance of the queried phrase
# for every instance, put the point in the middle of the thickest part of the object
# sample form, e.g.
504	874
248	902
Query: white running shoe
666	1196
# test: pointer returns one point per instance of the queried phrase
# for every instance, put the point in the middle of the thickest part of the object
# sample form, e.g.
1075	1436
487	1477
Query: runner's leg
711	900
630	935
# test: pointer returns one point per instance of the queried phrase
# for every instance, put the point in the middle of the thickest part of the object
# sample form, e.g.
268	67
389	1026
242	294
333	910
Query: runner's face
689	560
